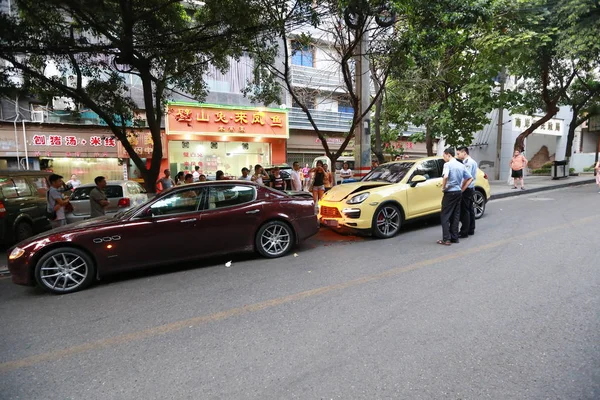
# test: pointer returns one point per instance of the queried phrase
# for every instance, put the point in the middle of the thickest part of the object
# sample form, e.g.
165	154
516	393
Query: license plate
331	222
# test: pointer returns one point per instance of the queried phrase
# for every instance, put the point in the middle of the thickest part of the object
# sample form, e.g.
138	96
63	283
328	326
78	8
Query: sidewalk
534	184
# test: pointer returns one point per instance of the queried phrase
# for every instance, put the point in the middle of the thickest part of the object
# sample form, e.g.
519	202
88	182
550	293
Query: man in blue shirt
456	180
467	212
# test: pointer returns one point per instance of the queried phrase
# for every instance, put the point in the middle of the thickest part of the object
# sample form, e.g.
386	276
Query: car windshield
83	193
391	173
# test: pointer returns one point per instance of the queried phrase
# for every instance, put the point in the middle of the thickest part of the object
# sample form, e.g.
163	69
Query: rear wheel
64	270
23	231
387	221
478	204
274	239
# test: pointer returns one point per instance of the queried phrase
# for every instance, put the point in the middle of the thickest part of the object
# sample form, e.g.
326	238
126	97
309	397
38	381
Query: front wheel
387	221
478	204
64	270
274	239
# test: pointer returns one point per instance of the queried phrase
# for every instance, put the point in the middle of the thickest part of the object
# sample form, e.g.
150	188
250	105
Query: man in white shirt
245	175
296	179
196	174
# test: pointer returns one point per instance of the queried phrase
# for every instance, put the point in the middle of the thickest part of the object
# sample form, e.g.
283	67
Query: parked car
122	195
390	195
22	205
220	217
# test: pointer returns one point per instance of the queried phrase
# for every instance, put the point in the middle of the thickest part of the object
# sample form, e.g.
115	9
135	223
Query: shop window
227	196
302	54
180	202
8	189
23	188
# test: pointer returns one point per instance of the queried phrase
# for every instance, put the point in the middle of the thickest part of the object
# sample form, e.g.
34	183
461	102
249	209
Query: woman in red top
517	165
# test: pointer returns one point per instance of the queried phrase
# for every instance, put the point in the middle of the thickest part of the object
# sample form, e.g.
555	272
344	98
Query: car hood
83	225
340	192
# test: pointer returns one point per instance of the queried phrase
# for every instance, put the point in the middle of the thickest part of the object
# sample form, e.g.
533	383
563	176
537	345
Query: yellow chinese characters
220	117
241	118
183	115
202	117
276	121
258	118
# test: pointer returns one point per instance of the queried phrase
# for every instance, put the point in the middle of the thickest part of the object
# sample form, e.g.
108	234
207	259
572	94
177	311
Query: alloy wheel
478	204
64	272
275	240
388	221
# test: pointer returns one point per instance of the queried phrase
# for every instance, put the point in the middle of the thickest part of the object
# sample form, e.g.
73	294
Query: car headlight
359	198
16	253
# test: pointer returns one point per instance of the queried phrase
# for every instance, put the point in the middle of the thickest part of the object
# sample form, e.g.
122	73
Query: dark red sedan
183	223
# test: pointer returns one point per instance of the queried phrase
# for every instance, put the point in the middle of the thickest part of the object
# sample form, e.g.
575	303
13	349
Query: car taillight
2	210
69	208
485	176
124	202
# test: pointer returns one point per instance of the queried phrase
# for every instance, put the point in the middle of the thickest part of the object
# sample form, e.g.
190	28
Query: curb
540	189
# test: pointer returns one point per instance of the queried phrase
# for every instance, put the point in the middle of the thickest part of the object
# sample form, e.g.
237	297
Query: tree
167	44
584	98
446	80
547	44
339	28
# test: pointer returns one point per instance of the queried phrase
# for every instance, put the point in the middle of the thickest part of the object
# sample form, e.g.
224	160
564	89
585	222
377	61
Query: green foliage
167	45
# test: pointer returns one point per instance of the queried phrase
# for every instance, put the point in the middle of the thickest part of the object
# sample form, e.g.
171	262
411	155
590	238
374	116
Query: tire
385	17
354	18
23	230
274	239
479	203
64	270
386	221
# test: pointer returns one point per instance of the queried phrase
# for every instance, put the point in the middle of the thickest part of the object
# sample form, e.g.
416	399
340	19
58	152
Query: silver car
122	195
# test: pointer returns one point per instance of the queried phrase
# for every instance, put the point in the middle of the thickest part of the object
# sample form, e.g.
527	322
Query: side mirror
416	180
148	213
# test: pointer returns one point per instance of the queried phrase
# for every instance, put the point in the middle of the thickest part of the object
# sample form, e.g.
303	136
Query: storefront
224	138
65	150
305	146
143	145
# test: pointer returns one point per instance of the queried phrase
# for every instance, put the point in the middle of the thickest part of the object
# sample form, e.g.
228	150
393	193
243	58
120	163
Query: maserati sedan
392	194
180	224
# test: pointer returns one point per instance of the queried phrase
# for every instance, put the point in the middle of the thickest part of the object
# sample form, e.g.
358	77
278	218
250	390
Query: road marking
56	355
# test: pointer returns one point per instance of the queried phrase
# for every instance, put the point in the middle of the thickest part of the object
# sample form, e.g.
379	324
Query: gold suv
391	194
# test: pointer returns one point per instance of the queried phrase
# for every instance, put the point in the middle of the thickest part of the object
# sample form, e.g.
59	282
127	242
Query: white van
338	165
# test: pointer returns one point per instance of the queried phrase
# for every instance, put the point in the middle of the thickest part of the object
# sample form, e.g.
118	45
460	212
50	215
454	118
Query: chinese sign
142	144
551	127
73	141
184	118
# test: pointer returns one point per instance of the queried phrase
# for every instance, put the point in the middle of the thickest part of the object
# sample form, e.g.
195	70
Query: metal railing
317	79
326	120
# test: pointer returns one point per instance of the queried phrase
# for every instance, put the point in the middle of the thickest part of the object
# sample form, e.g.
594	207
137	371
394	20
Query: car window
132	188
392	173
440	162
8	189
23	188
226	196
83	193
429	169
180	202
40	183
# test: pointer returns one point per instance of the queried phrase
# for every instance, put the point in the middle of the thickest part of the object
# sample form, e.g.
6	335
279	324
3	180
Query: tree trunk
377	125
571	136
520	141
428	141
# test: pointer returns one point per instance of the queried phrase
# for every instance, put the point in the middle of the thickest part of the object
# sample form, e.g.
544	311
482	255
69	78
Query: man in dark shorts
517	165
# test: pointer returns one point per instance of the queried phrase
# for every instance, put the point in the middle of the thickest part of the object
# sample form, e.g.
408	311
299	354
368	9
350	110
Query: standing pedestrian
306	175
179	178
276	180
56	203
467	212
296	176
98	199
456	180
345	172
73	183
374	164
328	178
517	165
202	178
597	169
165	182
245	175
196	174
259	175
189	178
221	176
318	183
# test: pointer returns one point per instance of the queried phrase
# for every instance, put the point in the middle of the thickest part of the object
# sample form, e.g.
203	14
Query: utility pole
362	136
500	126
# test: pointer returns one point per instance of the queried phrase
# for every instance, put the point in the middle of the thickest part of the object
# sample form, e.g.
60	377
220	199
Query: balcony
329	121
72	117
317	79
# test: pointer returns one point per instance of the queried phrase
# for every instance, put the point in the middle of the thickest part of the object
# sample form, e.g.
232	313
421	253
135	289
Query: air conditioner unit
37	116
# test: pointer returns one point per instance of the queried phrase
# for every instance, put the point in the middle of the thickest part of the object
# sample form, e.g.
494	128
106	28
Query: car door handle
188	220
252	212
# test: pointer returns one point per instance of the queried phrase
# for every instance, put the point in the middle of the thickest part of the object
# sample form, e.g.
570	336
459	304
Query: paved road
511	313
